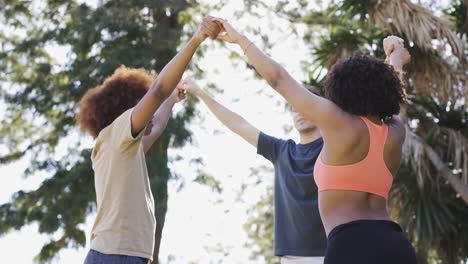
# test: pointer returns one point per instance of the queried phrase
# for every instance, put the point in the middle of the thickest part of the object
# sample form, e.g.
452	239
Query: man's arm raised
233	121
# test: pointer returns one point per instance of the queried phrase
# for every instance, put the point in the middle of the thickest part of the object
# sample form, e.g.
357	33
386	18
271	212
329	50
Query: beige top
125	222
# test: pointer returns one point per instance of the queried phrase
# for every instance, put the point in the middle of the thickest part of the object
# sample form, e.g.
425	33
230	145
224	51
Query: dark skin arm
160	119
168	78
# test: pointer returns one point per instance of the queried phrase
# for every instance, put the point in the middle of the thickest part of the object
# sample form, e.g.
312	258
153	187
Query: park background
213	192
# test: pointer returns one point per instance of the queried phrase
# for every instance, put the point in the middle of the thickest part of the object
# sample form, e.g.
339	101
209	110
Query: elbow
277	78
159	92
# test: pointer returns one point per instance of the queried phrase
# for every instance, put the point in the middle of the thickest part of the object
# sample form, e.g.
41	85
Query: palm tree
430	194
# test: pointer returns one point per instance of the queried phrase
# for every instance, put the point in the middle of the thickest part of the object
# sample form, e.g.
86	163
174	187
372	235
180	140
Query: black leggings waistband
366	223
369	242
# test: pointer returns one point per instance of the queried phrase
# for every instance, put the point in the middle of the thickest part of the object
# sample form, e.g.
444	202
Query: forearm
233	121
170	75
160	120
163	86
269	69
279	79
230	119
398	65
305	102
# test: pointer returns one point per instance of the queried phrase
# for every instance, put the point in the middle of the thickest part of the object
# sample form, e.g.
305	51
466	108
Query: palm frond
432	73
427	164
457	13
342	43
432	215
415	156
457	152
416	23
444	127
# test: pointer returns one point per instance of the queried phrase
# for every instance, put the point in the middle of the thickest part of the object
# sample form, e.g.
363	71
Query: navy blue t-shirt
298	228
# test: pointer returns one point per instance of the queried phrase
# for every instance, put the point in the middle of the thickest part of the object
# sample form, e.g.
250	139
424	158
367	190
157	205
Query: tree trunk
158	171
165	37
157	236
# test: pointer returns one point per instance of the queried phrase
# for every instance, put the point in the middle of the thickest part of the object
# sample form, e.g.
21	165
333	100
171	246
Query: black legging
369	242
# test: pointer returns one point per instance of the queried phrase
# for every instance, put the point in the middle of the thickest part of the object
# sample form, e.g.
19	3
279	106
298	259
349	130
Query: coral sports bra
369	175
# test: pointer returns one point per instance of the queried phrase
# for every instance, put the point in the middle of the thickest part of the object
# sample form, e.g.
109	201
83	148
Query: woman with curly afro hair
125	115
363	137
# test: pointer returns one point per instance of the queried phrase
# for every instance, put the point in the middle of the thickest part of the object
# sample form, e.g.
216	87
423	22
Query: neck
309	136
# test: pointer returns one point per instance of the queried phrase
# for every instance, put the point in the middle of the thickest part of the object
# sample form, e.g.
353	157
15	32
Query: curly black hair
100	106
364	85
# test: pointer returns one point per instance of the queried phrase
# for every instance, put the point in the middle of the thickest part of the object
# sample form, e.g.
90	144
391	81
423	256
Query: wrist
243	41
396	64
198	39
173	100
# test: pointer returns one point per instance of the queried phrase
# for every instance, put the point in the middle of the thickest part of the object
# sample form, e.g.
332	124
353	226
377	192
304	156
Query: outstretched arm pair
277	77
169	77
161	97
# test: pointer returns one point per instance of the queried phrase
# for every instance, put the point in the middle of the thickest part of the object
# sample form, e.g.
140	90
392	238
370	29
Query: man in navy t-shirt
299	234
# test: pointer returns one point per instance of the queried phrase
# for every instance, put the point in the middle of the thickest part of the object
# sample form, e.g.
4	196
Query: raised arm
315	108
159	122
169	77
397	54
233	121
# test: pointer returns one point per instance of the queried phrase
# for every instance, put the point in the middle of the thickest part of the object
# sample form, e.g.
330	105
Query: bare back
351	146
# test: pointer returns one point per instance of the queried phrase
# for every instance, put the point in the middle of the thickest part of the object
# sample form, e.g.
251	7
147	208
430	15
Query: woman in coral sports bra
363	138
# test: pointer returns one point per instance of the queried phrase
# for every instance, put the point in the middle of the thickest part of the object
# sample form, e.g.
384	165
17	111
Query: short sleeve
121	131
268	146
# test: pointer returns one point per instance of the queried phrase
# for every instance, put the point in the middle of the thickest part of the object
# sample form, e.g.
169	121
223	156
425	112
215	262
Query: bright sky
198	220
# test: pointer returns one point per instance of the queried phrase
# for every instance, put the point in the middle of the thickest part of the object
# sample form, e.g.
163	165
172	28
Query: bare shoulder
337	118
345	130
397	129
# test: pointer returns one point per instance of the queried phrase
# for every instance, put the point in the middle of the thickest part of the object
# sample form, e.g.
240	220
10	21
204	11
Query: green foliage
352	8
210	181
433	215
40	90
260	229
448	114
260	226
458	15
429	210
61	202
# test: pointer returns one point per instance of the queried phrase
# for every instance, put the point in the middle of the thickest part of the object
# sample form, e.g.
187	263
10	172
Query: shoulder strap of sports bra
378	137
